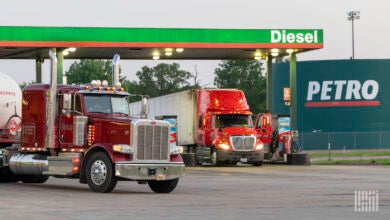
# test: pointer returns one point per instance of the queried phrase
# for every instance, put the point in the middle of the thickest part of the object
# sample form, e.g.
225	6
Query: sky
372	30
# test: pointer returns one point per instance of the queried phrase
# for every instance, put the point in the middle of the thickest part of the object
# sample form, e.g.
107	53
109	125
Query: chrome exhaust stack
144	107
51	104
115	70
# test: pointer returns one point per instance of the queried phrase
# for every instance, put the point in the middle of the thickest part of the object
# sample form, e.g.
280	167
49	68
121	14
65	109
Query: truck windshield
106	104
234	121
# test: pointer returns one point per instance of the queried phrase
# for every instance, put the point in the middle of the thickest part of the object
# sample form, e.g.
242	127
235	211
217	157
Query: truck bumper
241	156
134	171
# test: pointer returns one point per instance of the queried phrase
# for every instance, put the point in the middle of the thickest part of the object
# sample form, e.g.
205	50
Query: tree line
163	79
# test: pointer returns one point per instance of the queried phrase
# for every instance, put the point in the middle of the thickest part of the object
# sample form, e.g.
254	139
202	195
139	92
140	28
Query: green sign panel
193	37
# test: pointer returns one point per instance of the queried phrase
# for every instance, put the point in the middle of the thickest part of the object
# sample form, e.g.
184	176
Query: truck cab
225	129
95	140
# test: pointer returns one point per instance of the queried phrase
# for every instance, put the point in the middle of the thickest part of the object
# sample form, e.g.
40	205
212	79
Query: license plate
244	160
160	177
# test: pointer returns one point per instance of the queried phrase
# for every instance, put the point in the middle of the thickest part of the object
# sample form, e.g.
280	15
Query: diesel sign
342	93
286	36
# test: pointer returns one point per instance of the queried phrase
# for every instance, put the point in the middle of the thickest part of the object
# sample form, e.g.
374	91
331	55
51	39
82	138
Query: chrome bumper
135	171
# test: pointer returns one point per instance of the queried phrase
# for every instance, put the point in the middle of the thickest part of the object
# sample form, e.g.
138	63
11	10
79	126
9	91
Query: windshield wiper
99	112
120	113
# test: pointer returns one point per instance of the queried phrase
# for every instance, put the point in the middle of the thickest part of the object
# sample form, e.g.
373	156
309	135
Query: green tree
86	70
24	84
162	79
247	76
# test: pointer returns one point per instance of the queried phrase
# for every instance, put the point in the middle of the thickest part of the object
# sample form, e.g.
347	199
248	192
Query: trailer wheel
189	159
166	186
100	173
33	178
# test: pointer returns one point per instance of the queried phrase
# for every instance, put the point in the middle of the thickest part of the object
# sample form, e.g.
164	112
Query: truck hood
234	131
110	117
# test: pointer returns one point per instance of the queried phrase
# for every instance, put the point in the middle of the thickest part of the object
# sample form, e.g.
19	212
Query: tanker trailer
10	110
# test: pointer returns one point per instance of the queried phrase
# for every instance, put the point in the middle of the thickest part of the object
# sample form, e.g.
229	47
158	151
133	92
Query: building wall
344	103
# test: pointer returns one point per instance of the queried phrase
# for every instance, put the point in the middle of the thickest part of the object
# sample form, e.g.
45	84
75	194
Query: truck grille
243	143
152	142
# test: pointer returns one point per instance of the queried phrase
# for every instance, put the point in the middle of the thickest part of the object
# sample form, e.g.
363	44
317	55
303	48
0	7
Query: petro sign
340	93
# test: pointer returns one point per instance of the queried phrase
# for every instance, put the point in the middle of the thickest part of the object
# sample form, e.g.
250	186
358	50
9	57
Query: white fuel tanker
10	109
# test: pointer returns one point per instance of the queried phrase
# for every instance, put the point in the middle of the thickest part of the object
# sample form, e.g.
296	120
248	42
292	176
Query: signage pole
293	91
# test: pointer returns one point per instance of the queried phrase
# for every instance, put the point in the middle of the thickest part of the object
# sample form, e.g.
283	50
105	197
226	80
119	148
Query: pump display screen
106	104
223	121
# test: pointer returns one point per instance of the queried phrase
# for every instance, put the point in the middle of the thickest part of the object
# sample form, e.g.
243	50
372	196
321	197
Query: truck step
63	165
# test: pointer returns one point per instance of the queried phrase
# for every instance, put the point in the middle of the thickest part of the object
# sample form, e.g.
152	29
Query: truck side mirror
67	102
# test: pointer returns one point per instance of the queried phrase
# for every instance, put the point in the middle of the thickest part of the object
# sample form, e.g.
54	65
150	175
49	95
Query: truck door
200	131
65	127
264	127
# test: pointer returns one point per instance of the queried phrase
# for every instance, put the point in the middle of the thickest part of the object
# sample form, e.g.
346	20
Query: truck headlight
176	150
224	146
259	146
123	148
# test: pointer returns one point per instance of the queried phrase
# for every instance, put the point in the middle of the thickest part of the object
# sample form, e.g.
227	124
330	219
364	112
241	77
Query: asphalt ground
242	192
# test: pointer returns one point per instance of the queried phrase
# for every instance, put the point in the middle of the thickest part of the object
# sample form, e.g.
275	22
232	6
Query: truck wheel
257	164
214	157
33	178
298	159
189	159
100	173
7	176
166	186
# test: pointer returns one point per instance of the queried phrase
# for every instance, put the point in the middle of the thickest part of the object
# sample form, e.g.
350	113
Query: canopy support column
269	82
38	70
293	92
60	59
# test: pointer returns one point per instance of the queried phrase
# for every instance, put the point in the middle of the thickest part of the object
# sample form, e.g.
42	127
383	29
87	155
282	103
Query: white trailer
181	105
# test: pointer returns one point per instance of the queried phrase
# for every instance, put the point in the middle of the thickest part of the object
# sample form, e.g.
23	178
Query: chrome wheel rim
98	172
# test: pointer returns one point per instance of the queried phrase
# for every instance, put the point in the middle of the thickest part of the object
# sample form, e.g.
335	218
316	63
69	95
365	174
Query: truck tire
166	186
298	159
214	158
7	176
189	159
258	164
100	173
33	178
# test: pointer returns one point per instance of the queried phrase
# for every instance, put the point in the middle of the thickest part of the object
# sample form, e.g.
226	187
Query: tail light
91	134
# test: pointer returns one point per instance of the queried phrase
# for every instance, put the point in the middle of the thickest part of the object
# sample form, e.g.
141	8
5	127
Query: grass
353	162
350	154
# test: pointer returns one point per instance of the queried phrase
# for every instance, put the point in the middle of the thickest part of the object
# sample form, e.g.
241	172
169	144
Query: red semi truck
213	125
273	130
86	133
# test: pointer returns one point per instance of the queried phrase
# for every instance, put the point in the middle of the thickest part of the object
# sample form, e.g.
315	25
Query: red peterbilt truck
86	132
213	125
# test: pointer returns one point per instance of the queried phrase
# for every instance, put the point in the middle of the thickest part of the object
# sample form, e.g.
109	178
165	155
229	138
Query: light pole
352	15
